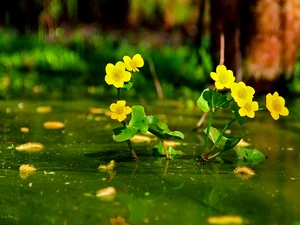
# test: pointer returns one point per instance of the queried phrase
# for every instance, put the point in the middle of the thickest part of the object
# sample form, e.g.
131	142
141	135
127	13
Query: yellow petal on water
244	170
30	147
24	130
109	166
243	143
139	138
44	109
171	143
106	194
108	113
96	110
53	125
225	220
26	170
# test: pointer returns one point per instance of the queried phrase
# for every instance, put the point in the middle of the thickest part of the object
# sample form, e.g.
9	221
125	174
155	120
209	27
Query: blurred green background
59	48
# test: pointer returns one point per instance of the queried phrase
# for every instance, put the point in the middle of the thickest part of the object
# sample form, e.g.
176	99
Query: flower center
276	105
248	106
118	75
242	93
119	110
223	78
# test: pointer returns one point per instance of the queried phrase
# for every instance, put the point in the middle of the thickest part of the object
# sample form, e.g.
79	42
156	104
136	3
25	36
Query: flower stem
119	93
208	129
130	145
124	124
220	136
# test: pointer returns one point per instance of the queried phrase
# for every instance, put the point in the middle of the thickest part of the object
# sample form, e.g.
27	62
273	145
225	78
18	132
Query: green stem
119	93
130	145
208	129
221	135
124	124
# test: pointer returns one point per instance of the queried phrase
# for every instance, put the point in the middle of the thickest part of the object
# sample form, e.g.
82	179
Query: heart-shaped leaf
138	123
161	130
225	143
212	99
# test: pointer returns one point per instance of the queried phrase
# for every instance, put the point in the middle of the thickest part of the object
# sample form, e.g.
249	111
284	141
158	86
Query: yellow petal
254	106
118	84
121	103
275	115
251	114
114	116
120	65
284	111
214	76
108	79
109	68
126	59
121	117
126	76
138	60
113	107
221	69
219	85
127	110
242	112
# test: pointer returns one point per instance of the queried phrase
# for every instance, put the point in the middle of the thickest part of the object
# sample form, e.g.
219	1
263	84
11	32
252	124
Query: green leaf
160	150
137	123
225	143
202	102
235	110
212	99
127	85
161	130
252	155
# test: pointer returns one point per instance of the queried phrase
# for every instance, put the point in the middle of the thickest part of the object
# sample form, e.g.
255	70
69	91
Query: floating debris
26	170
171	143
44	109
24	130
30	147
109	166
119	220
243	143
49	173
244	170
225	220
139	138
96	110
53	125
106	194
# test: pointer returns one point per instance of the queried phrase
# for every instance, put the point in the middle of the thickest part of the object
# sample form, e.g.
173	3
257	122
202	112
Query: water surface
151	191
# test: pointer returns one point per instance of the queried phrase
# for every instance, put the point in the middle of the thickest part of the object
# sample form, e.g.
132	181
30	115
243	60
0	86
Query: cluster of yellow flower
243	95
117	75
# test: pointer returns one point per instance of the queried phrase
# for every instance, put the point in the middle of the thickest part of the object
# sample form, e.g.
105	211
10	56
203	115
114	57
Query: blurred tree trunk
261	37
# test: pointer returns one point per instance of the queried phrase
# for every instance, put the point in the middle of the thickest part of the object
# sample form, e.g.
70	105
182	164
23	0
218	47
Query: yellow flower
248	108
223	78
119	110
118	221
275	104
116	74
241	91
132	64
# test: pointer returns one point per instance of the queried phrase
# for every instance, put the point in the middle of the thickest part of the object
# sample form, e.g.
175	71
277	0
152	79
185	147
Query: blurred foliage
30	66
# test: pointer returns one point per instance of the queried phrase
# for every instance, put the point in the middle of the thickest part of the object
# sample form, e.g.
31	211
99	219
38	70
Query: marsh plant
120	76
227	93
239	97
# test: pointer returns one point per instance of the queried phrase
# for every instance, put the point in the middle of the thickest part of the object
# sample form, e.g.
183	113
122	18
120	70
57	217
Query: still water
151	191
